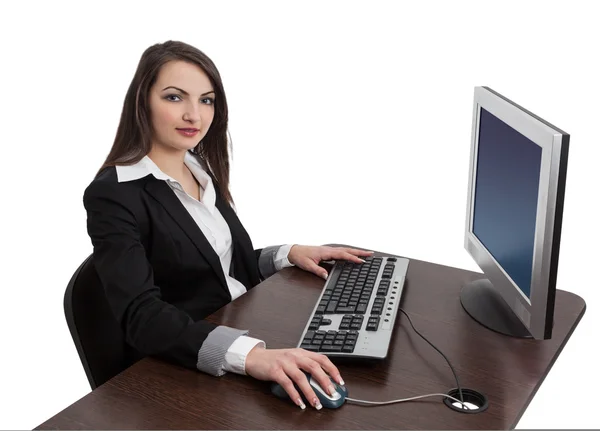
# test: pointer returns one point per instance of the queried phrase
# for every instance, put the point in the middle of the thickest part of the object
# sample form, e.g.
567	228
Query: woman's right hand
284	367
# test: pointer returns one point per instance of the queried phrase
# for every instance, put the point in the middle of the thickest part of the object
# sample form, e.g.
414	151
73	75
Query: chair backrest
95	331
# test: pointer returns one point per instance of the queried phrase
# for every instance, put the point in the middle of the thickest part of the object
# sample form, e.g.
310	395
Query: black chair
95	331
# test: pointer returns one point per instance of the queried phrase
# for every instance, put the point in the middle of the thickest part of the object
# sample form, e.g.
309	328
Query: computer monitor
514	214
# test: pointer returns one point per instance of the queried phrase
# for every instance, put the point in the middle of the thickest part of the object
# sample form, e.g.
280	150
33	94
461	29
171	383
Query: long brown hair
134	135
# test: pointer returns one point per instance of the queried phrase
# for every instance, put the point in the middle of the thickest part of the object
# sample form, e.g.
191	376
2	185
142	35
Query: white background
346	119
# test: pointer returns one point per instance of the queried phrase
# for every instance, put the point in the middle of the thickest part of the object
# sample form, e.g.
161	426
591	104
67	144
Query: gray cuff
266	260
211	355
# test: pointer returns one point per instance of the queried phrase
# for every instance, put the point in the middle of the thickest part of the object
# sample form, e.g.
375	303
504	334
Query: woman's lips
188	132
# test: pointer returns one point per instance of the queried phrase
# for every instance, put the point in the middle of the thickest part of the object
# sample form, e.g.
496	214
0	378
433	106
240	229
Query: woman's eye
208	101
172	95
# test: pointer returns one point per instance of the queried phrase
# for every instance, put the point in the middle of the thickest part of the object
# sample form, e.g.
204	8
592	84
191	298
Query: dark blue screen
506	194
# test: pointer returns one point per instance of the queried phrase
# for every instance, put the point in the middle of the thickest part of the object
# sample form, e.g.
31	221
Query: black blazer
160	273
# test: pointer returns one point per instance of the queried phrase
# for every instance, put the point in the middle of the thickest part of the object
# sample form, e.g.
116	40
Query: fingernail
317	404
342	382
362	260
331	390
324	275
301	404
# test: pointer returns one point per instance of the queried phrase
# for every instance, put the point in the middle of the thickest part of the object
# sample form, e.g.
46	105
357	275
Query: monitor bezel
535	312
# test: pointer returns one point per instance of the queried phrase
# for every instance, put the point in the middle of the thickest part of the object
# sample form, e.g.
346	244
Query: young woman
168	245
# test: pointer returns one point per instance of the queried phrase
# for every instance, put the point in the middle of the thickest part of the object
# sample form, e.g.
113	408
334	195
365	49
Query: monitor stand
484	304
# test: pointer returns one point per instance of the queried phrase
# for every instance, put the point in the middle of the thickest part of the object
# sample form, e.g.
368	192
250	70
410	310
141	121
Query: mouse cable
355	401
461	401
439	351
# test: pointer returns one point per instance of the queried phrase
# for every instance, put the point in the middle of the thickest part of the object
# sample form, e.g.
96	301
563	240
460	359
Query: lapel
161	191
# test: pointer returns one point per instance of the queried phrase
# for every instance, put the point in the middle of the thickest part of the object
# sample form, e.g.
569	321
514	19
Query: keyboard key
331	307
348	349
325	322
331	348
320	310
391	259
361	308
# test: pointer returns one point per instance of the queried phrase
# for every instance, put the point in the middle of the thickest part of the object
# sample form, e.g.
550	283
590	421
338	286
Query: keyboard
355	313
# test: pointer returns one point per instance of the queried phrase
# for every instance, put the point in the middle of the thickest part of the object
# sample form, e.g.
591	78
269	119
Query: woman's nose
192	114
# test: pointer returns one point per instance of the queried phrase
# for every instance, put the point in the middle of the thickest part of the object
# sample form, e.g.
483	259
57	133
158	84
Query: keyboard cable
461	401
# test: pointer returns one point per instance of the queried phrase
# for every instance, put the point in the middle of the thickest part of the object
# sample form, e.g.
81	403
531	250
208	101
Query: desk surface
155	395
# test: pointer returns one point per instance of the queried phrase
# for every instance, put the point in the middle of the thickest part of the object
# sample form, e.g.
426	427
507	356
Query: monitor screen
506	197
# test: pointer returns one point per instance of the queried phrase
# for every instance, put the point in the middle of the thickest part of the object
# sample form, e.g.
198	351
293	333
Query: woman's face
181	98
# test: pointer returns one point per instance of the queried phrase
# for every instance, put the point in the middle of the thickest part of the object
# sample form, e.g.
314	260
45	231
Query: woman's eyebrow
185	92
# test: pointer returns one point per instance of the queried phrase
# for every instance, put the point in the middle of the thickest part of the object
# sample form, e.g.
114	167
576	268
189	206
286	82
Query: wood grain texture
156	395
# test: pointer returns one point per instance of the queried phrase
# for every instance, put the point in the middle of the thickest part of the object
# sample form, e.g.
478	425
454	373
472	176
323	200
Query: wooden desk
155	395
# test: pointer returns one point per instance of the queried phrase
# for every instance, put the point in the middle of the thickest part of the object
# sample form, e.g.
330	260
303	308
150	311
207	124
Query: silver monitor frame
535	313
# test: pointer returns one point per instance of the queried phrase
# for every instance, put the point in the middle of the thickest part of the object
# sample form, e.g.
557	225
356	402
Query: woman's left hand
308	257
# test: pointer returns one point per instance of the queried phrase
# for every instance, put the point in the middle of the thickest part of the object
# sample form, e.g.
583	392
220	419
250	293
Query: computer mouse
327	401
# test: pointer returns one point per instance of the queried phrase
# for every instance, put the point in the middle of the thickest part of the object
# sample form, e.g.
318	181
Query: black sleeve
150	325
